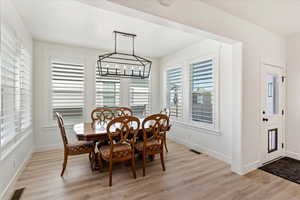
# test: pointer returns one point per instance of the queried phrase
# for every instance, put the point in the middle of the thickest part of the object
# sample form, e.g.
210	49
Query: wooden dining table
87	132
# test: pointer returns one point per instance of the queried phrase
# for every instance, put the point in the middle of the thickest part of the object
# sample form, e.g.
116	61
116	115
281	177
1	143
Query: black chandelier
124	65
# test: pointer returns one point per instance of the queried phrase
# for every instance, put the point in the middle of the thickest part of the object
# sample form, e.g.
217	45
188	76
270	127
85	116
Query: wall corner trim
250	167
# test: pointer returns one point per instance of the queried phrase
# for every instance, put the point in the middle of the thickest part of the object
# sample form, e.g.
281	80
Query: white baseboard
220	156
255	165
292	155
250	167
8	191
197	147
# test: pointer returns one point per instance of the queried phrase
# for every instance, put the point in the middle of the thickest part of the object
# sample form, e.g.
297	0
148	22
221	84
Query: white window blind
107	91
15	107
140	95
174	91
68	90
26	90
9	87
202	91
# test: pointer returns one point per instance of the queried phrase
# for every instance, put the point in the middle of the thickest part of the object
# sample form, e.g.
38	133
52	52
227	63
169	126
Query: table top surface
86	130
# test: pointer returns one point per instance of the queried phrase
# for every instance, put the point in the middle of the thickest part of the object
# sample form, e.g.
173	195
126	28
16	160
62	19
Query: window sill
54	125
206	130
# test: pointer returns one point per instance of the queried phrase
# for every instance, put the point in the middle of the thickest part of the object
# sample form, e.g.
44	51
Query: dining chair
102	116
123	111
125	129
166	111
78	148
153	139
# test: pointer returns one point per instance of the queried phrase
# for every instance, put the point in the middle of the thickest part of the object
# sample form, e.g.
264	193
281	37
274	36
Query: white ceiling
280	16
72	22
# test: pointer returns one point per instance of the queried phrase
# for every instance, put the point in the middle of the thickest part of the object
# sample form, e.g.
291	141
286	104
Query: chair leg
64	164
162	160
92	158
100	160
144	164
133	166
165	141
110	173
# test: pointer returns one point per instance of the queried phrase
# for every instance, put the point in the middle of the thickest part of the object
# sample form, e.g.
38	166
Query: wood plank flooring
187	176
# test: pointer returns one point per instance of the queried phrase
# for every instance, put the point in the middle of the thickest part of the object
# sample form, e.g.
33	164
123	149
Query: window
9	87
26	90
174	91
67	90
202	91
107	91
16	94
140	95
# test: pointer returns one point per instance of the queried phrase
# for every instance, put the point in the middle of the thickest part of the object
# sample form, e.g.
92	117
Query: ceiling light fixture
124	65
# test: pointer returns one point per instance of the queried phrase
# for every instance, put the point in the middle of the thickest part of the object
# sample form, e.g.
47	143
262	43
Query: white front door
272	113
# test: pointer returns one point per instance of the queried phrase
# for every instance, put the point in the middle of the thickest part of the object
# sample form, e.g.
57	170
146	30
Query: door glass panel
272	97
272	140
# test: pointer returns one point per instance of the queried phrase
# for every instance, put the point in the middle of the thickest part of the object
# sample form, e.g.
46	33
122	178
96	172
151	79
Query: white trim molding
250	167
201	149
185	65
292	155
207	130
8	191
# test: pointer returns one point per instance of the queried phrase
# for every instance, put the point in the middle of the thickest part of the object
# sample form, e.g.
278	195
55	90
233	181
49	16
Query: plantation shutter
10	88
140	95
202	88
26	90
174	91
68	90
16	94
107	91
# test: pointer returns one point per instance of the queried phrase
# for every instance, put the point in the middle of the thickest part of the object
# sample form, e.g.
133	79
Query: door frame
261	123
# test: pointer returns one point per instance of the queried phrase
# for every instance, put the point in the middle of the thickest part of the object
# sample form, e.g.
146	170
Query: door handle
265	119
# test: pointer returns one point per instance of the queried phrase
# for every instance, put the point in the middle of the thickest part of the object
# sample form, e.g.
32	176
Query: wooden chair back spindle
153	126
123	111
61	126
102	115
123	128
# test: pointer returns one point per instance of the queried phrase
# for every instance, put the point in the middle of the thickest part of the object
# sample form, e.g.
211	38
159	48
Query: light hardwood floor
187	176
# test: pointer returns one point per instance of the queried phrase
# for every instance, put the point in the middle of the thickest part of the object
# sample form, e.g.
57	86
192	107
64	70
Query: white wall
46	131
13	163
293	97
214	142
257	44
